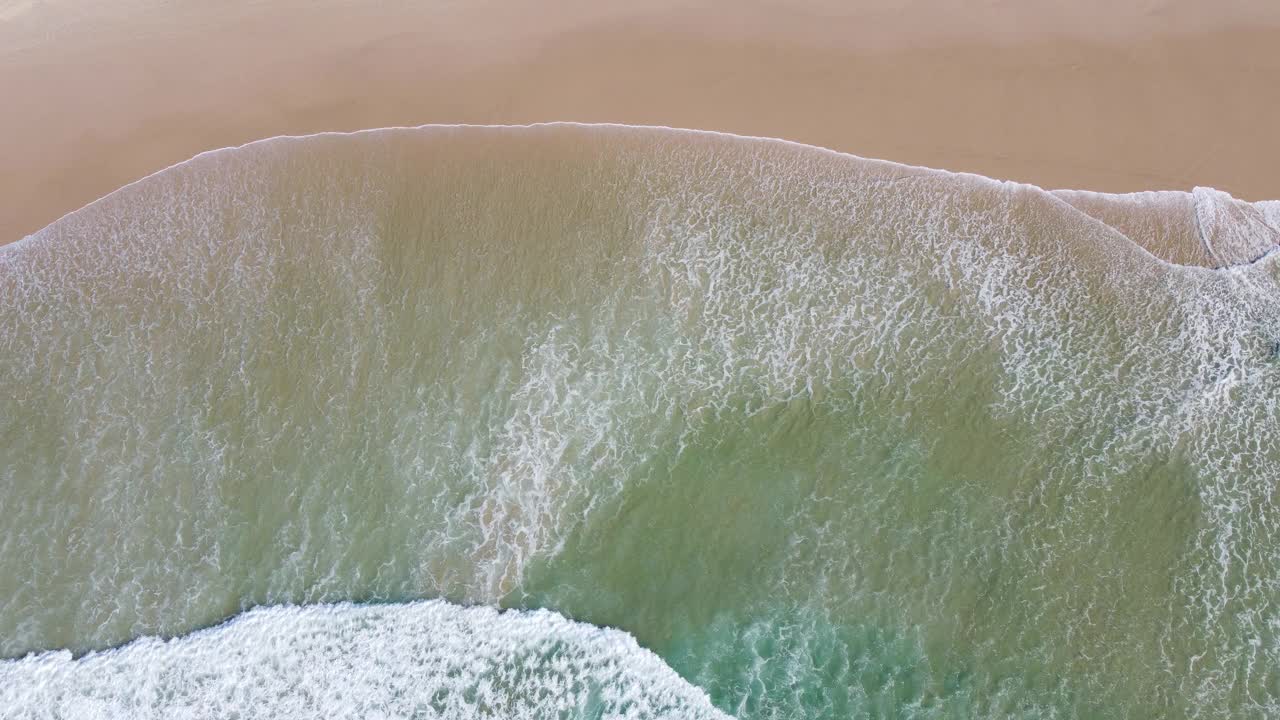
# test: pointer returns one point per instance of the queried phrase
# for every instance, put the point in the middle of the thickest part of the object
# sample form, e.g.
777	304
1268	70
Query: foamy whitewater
423	660
728	427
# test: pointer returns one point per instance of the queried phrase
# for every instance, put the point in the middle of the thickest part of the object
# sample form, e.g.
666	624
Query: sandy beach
1155	95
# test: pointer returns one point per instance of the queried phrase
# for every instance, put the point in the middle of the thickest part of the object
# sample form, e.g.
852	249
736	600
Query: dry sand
1158	94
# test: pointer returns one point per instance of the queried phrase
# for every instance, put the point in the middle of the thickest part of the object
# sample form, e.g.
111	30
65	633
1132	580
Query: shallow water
832	437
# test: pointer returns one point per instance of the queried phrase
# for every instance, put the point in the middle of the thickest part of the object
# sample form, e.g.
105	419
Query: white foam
421	660
1235	232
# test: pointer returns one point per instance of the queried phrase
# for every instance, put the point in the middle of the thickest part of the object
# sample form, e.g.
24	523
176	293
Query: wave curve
1160	222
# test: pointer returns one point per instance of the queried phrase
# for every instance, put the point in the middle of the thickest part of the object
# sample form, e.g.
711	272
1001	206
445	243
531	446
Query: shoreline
1148	220
1171	111
1058	192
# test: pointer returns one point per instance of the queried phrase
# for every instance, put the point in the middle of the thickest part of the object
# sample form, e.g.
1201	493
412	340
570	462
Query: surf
423	659
930	441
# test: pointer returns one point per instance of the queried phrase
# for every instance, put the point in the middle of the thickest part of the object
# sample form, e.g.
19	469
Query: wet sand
1159	95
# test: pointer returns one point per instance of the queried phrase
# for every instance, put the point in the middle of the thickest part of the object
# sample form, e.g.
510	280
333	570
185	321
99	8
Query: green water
831	437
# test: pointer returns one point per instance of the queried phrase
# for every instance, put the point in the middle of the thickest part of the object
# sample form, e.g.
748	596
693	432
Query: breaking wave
421	660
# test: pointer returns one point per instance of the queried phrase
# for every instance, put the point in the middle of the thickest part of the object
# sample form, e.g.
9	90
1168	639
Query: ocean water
723	426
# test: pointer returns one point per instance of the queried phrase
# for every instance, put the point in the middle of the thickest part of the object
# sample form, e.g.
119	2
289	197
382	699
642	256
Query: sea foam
420	660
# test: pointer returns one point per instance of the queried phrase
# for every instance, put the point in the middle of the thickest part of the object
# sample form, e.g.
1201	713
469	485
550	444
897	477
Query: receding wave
830	436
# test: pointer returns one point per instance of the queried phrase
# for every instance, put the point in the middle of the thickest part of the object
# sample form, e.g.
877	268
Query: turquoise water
728	425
